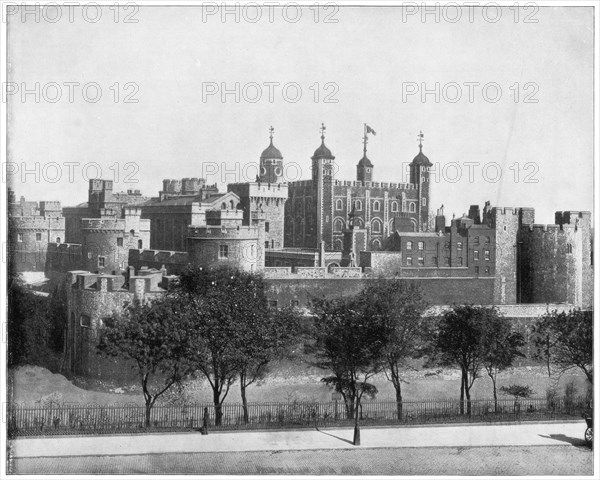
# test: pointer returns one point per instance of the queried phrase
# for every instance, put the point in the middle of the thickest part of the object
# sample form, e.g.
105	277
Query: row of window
376	225
421	246
434	261
358	205
38	237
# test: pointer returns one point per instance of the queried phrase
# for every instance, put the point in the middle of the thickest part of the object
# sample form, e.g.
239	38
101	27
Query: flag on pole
370	130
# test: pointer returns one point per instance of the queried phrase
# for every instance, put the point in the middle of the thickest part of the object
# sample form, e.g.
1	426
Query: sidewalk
531	434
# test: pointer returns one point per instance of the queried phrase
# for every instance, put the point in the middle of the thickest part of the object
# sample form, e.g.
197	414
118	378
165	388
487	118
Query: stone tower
322	175
266	197
419	176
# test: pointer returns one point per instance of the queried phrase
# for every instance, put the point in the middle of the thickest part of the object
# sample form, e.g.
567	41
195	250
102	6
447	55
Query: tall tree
400	305
350	343
566	340
269	335
18	347
225	304
155	336
28	327
459	343
500	345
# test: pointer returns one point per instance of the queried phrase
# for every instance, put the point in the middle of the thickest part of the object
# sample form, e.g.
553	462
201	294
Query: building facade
31	229
317	209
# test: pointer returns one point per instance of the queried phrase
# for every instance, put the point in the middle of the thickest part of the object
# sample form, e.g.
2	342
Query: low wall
437	291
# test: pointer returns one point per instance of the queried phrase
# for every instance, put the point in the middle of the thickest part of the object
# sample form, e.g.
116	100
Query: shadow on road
576	442
335	436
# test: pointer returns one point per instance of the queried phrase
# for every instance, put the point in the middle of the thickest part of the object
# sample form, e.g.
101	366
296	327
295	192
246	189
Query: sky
505	106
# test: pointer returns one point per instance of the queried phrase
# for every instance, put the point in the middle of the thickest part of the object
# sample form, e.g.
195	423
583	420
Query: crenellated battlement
185	186
99	185
50	207
505	210
107	224
574	218
539	227
257	189
132	211
542	227
147	281
240	232
358	183
37	223
158	256
314	272
112	224
304	183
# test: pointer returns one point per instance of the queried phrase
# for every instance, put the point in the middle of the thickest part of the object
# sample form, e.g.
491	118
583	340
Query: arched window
338	225
394	206
376	206
357	205
338	245
376	244
412	208
376	226
223	206
331	266
57	239
140	244
132	232
359	222
231	204
569	248
339	205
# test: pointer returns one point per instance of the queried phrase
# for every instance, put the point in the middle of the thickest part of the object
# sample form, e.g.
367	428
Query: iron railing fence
69	419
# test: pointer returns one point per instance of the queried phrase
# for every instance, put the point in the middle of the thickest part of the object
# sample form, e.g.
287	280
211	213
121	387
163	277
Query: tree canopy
474	337
235	332
400	306
566	340
350	343
155	336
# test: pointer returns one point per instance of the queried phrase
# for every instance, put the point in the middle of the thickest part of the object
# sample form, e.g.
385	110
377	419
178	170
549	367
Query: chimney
474	214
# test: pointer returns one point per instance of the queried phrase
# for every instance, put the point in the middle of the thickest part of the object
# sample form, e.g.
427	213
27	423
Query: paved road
534	448
539	460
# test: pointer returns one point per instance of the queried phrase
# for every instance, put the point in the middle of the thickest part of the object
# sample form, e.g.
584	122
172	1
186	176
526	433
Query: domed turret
365	162
421	159
323	151
271	165
322	159
364	168
271	152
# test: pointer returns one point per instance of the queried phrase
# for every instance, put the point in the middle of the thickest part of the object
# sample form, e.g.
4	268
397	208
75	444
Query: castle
316	236
317	210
